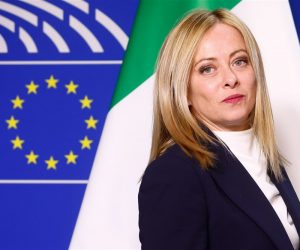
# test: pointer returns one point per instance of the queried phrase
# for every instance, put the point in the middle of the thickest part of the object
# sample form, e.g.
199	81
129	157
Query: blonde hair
173	120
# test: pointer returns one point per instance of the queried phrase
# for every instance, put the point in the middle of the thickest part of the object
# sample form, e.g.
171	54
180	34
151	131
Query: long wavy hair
173	120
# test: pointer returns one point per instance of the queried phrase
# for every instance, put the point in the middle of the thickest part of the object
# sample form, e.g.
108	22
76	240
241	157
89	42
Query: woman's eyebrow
206	59
237	51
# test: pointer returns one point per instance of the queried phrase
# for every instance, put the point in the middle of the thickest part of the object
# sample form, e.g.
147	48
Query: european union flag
59	63
52	116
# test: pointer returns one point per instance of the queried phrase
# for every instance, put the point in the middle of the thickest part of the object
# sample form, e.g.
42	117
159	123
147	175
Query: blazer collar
239	186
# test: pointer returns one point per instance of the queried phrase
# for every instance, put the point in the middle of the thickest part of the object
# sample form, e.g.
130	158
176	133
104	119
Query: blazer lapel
239	186
290	198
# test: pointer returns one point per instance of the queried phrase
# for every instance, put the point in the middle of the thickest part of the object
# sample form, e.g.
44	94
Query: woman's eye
206	70
241	62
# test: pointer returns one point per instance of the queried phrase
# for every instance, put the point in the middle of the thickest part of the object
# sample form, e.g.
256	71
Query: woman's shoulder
171	200
173	165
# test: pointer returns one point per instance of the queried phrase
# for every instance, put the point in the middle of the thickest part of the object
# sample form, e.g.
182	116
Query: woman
215	179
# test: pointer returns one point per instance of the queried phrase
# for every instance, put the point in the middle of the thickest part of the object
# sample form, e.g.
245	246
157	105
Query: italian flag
109	214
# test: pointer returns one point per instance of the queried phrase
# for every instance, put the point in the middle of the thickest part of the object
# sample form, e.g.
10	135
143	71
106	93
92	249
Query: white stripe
27	41
281	54
44	181
3	45
56	38
7	23
86	34
81	5
112	27
99	62
48	7
17	11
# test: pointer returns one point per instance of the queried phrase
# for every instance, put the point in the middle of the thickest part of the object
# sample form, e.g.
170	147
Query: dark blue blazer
183	207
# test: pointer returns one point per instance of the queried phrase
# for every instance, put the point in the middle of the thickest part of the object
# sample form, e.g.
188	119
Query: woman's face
222	88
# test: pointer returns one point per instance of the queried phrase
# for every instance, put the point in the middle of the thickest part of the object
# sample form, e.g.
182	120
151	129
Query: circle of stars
32	156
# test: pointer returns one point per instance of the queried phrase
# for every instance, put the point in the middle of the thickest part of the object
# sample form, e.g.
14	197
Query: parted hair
173	120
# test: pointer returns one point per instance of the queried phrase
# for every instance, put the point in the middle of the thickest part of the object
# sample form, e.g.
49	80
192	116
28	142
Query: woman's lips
233	98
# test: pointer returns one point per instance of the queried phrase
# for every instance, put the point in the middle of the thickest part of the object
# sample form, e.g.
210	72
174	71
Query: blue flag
59	63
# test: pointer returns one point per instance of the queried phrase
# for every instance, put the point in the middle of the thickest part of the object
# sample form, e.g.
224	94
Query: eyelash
243	59
203	68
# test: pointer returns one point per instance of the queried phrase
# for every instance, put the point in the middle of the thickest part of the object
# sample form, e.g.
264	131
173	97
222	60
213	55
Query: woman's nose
230	78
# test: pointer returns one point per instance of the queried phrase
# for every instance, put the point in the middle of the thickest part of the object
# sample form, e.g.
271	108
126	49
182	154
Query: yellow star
32	157
32	88
52	82
12	123
86	143
71	87
91	122
17	143
86	102
51	163
18	103
71	158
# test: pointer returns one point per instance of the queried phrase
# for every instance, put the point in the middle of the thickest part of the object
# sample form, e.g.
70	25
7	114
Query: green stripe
153	21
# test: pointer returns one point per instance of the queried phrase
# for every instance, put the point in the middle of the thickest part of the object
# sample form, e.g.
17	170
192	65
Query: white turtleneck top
247	150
